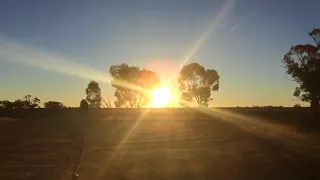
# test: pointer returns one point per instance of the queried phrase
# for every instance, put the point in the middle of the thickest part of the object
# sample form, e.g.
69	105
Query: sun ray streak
248	123
30	56
27	55
216	23
104	169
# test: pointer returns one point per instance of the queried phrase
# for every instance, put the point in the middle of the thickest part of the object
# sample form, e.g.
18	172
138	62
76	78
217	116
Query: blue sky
51	49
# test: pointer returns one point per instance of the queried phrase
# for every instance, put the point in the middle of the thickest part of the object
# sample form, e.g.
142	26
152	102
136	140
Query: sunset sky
52	49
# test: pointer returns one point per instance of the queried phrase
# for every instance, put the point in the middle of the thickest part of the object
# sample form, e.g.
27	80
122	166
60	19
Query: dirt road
164	148
192	149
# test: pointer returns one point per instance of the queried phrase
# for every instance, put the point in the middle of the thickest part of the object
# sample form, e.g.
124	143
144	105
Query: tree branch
299	55
131	105
291	79
307	31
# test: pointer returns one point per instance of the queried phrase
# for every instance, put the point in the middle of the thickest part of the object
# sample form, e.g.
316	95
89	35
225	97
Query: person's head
83	104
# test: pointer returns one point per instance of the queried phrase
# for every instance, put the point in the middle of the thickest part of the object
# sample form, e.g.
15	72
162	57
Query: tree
54	105
93	95
196	82
148	81
124	78
302	63
19	104
6	104
27	102
297	106
132	85
186	99
106	104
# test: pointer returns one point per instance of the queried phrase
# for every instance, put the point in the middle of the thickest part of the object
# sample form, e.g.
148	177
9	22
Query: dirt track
161	148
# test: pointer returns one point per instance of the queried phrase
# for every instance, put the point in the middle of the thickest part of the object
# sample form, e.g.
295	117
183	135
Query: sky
52	49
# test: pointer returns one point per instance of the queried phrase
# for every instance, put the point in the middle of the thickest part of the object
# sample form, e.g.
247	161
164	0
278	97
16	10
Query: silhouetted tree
125	80
54	105
6	104
148	81
132	85
198	83
19	104
106	104
302	63
297	106
186	99
27	102
93	95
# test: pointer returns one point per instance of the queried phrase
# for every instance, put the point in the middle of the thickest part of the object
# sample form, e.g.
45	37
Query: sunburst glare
161	97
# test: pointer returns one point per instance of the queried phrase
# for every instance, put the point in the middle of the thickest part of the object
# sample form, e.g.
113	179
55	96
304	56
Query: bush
297	106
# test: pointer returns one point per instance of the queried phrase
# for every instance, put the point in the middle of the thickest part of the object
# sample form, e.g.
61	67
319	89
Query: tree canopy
54	105
27	102
197	83
132	85
302	63
93	92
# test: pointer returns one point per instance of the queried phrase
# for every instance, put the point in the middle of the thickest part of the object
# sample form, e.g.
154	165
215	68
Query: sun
161	97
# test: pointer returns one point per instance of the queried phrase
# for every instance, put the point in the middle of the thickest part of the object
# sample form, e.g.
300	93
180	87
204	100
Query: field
236	143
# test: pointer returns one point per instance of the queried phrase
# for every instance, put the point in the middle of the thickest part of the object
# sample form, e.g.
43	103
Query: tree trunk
131	104
314	105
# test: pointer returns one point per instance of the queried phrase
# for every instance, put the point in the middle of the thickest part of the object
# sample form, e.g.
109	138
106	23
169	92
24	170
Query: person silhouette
81	139
84	104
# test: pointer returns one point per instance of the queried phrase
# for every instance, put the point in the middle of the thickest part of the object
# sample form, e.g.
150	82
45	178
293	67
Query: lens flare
161	97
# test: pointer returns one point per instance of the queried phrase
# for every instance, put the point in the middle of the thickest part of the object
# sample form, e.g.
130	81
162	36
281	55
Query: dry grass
162	146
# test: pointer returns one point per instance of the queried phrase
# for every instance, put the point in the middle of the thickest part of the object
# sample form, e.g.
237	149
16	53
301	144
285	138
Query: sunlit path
167	146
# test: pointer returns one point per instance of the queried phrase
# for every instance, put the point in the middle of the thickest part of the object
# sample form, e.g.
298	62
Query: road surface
166	148
193	149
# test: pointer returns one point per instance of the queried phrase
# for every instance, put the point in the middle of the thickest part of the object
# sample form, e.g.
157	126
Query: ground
162	146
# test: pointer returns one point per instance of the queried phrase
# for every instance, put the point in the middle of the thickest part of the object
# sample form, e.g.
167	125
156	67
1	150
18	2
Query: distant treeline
29	103
254	106
134	86
270	106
